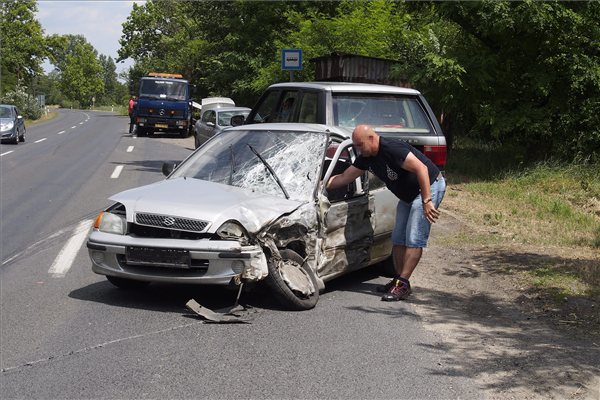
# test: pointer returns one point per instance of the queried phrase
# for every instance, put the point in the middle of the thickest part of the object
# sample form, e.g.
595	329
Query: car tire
16	139
288	298
22	137
141	132
128	284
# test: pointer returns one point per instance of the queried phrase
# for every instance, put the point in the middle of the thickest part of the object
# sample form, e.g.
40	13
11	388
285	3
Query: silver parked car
214	120
249	205
12	124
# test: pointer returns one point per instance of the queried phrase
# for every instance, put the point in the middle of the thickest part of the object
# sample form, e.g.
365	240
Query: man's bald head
365	140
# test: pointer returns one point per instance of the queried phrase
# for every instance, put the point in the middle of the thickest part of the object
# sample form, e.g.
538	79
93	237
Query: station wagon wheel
123	283
293	282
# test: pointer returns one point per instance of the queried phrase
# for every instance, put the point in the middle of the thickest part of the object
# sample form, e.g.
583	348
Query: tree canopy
22	47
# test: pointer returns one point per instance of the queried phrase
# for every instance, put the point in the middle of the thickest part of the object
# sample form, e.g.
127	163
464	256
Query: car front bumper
213	262
10	134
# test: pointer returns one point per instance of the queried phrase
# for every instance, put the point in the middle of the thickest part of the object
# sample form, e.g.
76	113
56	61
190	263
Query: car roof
347	87
6	105
232	109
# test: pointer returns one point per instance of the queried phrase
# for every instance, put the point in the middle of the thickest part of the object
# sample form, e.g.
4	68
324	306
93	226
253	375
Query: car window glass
285	110
225	116
266	107
208	116
308	108
385	112
5	112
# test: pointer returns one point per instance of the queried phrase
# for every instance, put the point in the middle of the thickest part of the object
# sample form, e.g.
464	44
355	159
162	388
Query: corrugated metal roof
355	68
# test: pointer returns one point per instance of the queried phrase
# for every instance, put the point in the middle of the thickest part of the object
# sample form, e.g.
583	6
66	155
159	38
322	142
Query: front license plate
161	125
157	257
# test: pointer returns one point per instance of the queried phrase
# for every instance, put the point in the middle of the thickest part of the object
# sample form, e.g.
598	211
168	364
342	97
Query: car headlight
231	230
7	126
110	223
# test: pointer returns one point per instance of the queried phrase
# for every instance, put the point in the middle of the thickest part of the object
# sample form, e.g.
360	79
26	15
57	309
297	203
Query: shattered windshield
163	89
294	156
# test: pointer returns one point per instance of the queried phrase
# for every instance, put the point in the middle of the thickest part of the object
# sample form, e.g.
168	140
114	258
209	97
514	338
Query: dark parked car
12	124
214	120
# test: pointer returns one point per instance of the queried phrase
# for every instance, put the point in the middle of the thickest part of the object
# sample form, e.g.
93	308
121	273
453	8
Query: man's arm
343	179
413	164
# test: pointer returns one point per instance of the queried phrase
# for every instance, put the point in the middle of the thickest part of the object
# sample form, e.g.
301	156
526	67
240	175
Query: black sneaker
386	287
399	291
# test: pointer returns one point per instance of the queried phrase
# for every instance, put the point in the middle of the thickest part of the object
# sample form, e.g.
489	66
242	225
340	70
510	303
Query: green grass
541	204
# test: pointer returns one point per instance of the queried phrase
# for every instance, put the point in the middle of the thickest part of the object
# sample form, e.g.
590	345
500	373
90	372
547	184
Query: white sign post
291	60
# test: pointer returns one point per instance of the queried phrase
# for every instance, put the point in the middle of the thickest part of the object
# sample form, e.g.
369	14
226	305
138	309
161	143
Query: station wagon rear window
387	113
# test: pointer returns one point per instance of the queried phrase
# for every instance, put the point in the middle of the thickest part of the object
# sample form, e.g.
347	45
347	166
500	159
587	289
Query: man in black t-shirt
420	188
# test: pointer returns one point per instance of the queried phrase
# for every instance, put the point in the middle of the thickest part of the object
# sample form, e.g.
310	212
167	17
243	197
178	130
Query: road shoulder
494	329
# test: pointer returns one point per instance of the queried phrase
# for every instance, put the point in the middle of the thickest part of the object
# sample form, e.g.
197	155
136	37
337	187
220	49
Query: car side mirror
168	167
237	120
19	116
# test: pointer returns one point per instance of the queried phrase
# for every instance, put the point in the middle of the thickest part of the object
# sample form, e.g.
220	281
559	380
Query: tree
81	74
113	90
21	43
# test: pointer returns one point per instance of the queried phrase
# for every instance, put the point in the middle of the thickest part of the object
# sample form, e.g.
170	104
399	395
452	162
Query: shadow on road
171	298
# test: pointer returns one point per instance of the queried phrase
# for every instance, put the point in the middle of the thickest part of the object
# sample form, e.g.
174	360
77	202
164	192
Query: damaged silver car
249	205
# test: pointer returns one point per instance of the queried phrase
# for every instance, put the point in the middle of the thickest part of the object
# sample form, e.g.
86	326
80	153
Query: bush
26	103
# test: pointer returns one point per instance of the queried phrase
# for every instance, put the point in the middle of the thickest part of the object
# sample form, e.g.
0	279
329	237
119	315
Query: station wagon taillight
437	154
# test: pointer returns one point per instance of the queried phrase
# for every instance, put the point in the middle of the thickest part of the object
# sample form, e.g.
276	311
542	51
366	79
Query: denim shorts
412	228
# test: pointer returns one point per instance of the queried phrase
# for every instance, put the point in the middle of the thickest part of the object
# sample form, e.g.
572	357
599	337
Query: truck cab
163	105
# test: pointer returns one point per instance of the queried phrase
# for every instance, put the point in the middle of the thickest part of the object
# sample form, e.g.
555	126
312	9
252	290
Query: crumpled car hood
207	201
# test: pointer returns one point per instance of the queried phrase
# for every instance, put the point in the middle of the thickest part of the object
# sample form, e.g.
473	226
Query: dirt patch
512	338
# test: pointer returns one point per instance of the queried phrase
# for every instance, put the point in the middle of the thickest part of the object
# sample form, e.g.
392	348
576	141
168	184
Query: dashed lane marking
73	127
64	261
8	152
117	172
41	140
130	149
61	132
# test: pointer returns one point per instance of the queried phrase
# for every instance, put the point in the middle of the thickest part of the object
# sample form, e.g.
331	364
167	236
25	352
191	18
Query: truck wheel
287	293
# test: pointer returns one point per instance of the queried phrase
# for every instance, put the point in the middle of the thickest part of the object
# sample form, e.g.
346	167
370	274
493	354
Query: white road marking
41	140
73	127
63	262
61	132
81	123
130	149
8	152
117	172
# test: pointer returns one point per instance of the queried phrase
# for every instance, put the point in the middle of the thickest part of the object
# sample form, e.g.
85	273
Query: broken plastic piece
232	315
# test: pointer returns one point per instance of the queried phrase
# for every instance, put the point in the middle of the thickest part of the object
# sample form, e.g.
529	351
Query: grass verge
548	208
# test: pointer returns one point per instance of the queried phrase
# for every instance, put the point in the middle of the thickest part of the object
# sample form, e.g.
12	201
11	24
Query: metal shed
341	67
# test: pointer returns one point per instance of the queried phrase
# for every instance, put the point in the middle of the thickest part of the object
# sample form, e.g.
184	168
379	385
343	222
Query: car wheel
22	137
280	276
123	283
16	139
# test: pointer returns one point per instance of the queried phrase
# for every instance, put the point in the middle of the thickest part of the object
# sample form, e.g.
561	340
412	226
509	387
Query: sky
99	21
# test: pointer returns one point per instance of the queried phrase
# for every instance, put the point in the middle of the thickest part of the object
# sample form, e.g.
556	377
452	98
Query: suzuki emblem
168	221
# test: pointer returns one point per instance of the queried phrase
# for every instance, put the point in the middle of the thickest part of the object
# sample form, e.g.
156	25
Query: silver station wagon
249	205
